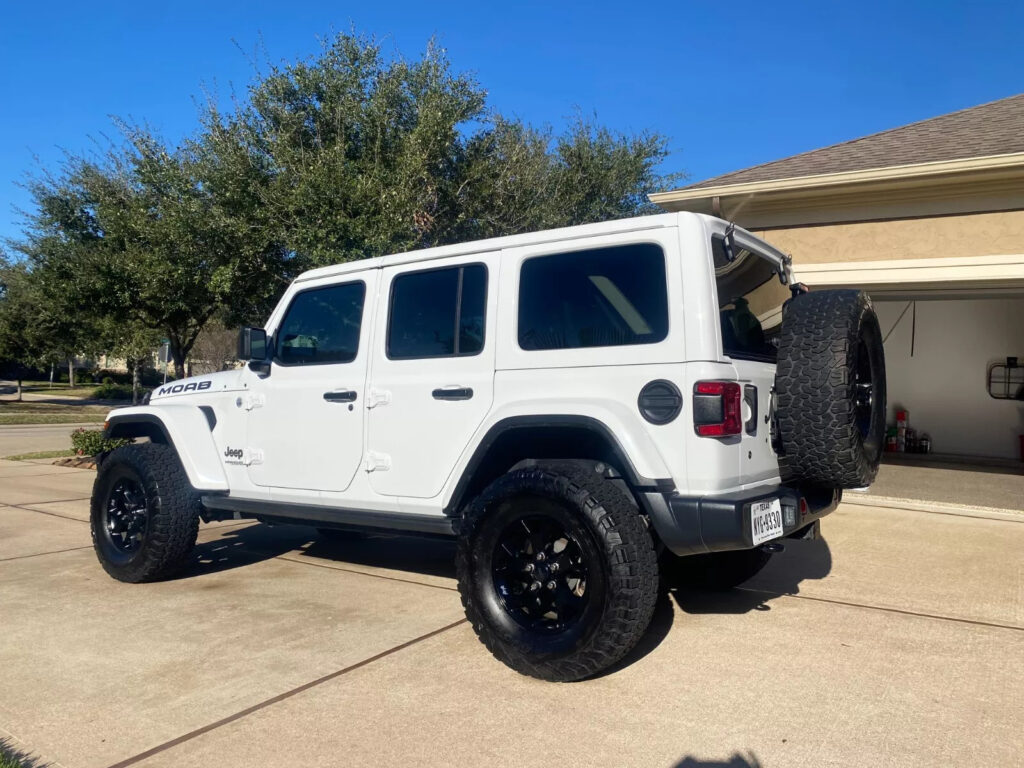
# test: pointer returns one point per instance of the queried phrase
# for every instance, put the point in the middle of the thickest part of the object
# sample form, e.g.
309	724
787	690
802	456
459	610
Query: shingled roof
996	128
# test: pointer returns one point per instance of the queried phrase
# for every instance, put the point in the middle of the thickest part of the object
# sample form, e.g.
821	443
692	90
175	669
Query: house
929	219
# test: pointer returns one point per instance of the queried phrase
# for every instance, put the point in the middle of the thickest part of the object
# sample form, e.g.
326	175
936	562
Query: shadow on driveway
736	761
783	575
242	546
10	754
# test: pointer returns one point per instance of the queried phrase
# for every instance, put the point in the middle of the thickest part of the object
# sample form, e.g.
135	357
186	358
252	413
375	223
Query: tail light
717	408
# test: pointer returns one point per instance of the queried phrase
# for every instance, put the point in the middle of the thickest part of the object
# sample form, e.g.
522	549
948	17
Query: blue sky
731	84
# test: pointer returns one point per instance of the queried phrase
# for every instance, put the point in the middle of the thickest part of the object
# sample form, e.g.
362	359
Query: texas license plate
765	520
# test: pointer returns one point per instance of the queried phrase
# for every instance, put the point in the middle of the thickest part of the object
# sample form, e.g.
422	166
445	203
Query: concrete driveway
898	640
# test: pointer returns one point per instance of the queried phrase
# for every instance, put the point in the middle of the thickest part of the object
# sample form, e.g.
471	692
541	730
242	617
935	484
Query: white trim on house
992	275
871	175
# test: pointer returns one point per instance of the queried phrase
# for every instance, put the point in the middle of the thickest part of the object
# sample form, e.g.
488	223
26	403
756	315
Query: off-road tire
623	551
715	571
172	508
828	339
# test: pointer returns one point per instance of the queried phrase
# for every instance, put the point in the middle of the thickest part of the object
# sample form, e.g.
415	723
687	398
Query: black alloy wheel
540	573
864	398
557	571
144	514
125	518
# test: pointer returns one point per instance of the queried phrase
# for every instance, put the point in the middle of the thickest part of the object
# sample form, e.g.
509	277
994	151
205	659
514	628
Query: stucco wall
977	234
943	384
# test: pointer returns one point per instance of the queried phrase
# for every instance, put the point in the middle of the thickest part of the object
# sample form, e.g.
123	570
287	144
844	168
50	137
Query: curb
942	508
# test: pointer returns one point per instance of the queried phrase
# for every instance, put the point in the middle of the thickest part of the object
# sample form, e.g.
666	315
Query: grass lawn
36	406
51	418
61	390
12	757
42	455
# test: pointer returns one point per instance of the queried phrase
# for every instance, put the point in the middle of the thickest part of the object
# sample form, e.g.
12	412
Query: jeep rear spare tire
830	387
557	571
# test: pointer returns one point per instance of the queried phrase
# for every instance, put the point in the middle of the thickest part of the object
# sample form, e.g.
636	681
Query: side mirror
252	344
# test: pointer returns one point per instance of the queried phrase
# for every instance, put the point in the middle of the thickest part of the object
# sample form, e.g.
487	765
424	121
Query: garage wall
943	384
977	234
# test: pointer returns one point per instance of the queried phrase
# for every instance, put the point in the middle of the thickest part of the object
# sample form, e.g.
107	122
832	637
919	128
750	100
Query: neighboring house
929	219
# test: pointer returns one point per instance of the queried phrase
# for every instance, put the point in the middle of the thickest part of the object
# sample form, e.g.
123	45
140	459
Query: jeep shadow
802	560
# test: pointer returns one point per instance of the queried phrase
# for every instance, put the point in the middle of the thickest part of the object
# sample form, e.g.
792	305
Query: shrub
106	376
91	442
115	392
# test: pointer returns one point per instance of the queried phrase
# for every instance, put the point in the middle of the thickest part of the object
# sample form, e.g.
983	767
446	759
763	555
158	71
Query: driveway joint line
280	697
901	611
47	512
998	514
42	554
364	573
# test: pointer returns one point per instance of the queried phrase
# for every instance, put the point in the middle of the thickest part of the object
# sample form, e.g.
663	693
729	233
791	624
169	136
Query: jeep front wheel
144	514
557	572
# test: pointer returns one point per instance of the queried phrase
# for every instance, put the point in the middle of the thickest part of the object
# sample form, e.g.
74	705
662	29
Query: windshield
750	299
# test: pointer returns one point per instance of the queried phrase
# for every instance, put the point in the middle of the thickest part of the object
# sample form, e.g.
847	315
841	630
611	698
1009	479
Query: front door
432	374
306	418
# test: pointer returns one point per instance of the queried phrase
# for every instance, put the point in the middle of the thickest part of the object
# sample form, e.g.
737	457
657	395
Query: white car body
271	445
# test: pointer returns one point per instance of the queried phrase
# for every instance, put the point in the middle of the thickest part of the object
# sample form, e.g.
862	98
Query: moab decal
192	386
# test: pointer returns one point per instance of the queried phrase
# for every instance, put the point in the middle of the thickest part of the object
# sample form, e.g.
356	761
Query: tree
144	239
23	343
362	156
343	156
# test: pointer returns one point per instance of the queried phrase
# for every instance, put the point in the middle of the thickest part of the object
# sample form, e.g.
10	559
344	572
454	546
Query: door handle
453	393
340	396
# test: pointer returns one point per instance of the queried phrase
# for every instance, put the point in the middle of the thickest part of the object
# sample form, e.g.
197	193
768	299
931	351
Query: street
31	438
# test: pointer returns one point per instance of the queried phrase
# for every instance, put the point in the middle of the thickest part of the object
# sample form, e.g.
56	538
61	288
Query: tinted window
750	298
322	326
598	298
438	312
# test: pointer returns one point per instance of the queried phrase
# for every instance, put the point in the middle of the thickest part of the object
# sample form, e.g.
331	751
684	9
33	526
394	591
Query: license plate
765	520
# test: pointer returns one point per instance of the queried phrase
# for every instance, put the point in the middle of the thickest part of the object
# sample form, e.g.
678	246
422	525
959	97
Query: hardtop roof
633	224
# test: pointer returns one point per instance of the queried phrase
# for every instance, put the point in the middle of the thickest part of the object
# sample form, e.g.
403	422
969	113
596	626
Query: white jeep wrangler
580	407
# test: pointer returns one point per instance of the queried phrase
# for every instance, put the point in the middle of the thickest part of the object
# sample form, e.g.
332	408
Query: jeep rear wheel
557	572
830	385
144	514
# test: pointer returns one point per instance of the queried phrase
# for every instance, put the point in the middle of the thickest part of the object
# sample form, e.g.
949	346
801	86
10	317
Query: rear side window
438	313
750	299
322	326
602	297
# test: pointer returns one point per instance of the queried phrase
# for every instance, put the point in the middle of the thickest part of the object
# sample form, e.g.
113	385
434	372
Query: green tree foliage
25	337
347	155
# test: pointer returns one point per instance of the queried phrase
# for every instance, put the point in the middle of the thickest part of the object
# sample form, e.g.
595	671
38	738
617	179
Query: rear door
432	371
750	299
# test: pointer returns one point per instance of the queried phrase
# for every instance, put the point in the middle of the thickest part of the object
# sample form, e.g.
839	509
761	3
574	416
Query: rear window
750	299
438	313
602	297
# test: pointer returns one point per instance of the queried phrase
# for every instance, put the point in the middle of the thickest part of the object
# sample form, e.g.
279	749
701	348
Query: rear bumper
693	525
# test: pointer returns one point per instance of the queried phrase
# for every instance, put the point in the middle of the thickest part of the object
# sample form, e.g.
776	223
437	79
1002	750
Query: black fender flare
640	484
